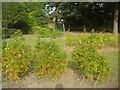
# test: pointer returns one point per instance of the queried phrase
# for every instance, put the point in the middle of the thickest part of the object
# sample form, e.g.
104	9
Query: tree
23	15
115	25
12	12
54	14
79	13
97	15
111	15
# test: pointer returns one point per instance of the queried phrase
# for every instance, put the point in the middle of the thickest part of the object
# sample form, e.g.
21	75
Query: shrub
46	32
76	39
95	40
110	40
55	34
6	32
49	59
16	57
36	29
98	40
72	40
88	61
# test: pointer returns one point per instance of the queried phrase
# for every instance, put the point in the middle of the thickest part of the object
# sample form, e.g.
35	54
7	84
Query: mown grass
31	40
113	61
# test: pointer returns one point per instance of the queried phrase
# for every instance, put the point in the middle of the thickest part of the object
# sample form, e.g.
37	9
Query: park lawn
113	62
31	40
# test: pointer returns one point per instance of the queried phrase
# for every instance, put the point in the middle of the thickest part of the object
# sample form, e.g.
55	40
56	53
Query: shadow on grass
71	65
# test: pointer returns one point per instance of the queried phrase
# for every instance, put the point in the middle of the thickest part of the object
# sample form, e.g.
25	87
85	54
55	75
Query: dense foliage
86	15
88	61
98	40
6	32
46	32
16	58
49	59
23	15
85	55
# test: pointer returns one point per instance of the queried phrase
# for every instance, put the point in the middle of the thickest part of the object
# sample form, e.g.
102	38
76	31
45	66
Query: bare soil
69	79
108	49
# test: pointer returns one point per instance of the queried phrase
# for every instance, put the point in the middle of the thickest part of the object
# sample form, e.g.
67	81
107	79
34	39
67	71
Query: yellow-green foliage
72	40
6	32
46	32
16	58
98	40
88	61
49	59
103	40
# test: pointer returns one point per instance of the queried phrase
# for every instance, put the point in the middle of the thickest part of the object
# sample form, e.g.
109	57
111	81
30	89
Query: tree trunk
115	24
63	27
84	28
68	28
56	22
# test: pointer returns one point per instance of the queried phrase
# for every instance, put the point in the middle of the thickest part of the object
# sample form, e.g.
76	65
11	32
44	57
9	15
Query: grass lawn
113	61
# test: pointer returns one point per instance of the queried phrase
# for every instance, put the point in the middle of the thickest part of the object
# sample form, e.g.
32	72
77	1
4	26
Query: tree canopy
24	15
90	14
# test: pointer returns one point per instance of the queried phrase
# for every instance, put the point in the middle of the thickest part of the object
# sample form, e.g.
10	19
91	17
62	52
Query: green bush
55	34
77	39
46	32
88	61
110	40
98	40
72	40
103	40
6	32
49	59
16	57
